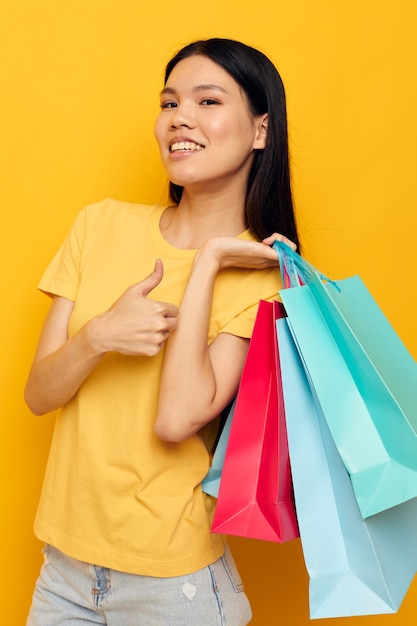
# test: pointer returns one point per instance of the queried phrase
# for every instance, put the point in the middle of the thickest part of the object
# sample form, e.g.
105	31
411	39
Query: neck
200	217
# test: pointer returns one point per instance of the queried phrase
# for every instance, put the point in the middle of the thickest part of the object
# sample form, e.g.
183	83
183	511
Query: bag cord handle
296	271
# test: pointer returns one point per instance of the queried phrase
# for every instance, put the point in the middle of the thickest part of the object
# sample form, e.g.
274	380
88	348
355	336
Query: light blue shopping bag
356	566
365	380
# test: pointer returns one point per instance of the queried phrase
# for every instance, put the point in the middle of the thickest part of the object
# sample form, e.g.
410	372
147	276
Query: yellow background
79	91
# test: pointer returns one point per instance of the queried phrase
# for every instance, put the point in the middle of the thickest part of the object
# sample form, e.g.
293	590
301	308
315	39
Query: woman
143	347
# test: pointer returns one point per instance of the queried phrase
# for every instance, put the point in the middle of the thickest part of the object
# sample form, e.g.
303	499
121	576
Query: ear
261	132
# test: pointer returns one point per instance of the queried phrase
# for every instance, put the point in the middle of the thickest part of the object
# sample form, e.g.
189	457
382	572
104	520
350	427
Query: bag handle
296	271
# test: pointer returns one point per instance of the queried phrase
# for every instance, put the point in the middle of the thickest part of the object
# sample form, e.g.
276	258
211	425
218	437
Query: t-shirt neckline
164	246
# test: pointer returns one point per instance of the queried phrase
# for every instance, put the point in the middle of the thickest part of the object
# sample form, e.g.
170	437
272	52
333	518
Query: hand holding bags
356	566
255	497
364	378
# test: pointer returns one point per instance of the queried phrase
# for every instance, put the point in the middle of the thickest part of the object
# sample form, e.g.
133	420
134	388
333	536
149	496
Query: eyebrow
197	88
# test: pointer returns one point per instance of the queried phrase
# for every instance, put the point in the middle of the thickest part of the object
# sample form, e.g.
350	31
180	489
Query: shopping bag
356	566
365	380
255	497
211	481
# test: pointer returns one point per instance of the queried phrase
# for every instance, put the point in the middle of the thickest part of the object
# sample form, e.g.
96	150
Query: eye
209	101
169	104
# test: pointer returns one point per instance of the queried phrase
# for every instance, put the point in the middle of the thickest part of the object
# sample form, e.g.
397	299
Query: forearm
198	380
188	392
55	378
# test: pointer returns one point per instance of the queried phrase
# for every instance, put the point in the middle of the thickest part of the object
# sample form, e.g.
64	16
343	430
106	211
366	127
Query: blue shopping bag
211	481
364	377
356	566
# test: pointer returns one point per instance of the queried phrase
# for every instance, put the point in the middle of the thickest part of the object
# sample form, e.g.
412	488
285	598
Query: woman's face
205	130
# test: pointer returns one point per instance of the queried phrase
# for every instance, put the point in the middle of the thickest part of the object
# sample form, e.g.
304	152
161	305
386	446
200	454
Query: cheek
234	128
158	130
246	125
226	131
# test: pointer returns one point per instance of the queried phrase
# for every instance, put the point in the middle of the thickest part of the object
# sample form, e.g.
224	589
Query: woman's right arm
60	364
133	325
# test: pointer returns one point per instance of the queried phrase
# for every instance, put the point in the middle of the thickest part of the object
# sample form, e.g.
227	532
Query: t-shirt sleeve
62	276
242	324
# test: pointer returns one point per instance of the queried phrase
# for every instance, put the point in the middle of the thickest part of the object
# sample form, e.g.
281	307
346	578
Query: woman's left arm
199	380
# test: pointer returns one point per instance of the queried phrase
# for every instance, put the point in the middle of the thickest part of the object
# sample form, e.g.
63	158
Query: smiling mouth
186	146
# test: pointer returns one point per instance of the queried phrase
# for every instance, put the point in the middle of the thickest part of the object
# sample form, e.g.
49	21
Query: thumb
153	280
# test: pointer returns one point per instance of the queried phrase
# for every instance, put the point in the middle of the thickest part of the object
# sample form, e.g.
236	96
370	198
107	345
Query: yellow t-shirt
114	494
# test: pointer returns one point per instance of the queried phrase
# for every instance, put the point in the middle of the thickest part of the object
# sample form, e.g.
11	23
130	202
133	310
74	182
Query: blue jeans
72	592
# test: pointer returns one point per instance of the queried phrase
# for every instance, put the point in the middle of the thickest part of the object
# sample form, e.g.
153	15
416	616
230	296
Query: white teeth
185	145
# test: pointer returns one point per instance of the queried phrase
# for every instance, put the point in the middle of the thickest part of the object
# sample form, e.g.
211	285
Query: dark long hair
269	204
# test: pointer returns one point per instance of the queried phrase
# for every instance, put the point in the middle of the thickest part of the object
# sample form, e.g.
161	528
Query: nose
182	115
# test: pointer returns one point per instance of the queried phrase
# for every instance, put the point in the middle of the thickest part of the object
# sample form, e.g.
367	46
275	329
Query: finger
150	282
170	323
170	310
277	237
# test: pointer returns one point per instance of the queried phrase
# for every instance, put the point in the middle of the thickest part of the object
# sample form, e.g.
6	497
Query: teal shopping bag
355	566
364	378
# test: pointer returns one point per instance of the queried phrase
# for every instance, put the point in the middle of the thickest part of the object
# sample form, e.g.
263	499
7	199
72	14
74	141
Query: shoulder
111	217
110	209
